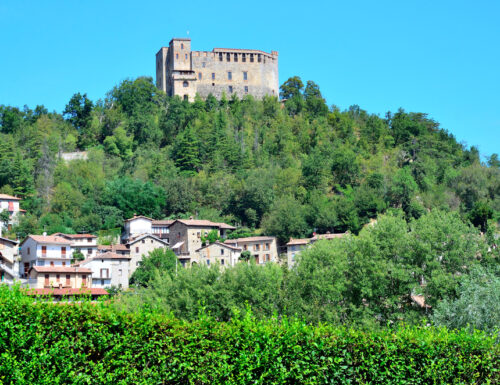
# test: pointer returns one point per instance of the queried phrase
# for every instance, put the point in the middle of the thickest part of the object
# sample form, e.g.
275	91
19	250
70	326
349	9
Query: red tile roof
67	291
75	236
328	236
61	269
137	217
9	197
163	222
299	241
204	223
250	239
113	248
49	239
220	244
110	255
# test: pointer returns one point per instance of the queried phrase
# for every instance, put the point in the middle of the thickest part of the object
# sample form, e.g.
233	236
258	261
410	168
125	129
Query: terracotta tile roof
61	269
142	236
298	241
49	239
250	239
328	236
9	197
204	223
222	245
113	248
75	236
67	291
137	217
110	255
163	222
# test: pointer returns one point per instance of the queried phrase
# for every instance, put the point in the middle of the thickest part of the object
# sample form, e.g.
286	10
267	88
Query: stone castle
182	72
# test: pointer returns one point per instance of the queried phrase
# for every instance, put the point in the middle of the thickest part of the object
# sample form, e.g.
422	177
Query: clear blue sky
438	57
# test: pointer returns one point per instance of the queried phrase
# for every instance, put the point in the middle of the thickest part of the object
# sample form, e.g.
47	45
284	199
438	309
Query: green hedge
42	343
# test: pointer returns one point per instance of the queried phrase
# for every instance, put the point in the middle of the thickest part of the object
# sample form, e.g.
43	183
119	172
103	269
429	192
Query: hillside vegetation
286	168
43	343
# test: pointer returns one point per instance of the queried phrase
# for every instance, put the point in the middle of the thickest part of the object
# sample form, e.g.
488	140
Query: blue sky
438	57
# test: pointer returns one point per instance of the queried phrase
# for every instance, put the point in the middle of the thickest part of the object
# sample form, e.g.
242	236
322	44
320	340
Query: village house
263	249
217	252
295	246
11	205
44	250
62	281
83	243
108	269
9	260
186	236
140	248
139	225
120	249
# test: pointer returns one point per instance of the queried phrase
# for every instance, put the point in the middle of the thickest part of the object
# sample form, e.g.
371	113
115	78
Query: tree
211	237
186	153
480	214
78	112
158	261
477	305
292	88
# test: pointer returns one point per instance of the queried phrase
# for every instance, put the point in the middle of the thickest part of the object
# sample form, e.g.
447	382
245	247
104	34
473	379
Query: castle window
229	75
182	46
246	89
204	64
251	58
213	75
185	84
245	75
235	57
186	97
228	57
177	56
199	75
259	58
220	56
230	89
186	56
243	57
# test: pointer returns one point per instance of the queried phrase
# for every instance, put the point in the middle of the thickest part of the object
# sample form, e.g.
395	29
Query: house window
64	263
119	272
268	257
185	83
199	75
137	249
251	58
198	234
267	246
89	251
220	56
229	75
245	247
151	241
89	240
256	247
44	251
57	277
143	241
213	75
104	273
29	251
102	282
68	279
228	57
230	89
235	57
46	280
222	261
186	98
51	263
41	262
177	56
244	57
84	280
245	75
246	89
221	251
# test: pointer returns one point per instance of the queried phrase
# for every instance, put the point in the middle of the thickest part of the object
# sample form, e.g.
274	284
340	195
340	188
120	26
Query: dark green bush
85	343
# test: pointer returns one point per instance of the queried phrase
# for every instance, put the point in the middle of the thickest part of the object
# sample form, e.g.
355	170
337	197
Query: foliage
45	343
159	260
211	237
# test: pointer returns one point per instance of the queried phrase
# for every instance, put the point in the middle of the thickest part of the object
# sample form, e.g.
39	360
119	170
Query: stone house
138	225
140	248
295	246
217	252
263	249
9	260
186	236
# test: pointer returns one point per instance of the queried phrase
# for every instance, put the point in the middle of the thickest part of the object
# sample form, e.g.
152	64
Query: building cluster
295	246
73	264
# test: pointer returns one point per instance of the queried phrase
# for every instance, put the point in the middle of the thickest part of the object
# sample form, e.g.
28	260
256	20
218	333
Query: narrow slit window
220	56
213	75
199	76
182	46
245	75
235	57
243	57
259	58
228	57
229	75
251	58
246	89
230	89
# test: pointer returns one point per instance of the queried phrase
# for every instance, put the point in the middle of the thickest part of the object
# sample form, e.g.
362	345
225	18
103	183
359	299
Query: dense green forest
285	168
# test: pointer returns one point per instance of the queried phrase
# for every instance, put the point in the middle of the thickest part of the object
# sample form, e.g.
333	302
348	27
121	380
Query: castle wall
186	73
